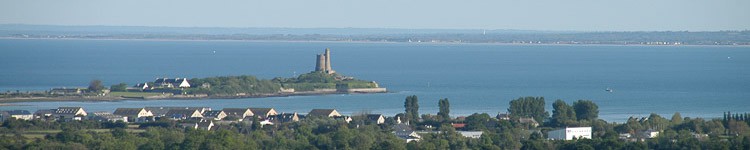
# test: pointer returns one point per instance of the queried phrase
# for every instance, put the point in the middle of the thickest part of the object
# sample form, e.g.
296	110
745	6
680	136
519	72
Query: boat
609	90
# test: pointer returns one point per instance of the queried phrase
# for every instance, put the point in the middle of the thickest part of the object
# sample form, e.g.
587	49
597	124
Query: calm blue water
697	81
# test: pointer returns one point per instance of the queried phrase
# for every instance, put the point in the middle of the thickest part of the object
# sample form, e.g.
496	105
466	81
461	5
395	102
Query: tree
119	87
411	106
676	118
256	123
562	113
586	110
528	107
96	86
444	109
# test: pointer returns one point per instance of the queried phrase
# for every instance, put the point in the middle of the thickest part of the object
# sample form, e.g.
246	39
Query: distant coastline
364	42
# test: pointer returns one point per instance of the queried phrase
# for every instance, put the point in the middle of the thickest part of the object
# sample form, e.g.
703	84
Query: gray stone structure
323	62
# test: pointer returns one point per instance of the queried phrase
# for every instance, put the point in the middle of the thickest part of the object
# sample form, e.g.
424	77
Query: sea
696	81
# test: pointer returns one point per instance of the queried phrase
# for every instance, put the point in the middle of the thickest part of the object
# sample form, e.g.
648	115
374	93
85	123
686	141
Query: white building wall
570	133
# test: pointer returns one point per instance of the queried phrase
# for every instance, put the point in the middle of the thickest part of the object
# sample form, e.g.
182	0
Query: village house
16	114
263	112
134	114
162	111
285	117
503	116
346	119
107	116
172	83
405	132
238	113
568	133
67	91
324	112
182	114
69	113
529	121
45	114
214	114
376	118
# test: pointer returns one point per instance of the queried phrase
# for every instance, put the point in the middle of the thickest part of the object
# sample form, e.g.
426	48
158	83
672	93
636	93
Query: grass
133	94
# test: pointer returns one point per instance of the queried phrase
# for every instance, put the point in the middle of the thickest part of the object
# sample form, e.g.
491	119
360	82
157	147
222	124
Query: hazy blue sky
578	15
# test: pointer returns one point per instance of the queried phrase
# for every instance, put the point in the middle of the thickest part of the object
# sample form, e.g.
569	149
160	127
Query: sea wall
364	90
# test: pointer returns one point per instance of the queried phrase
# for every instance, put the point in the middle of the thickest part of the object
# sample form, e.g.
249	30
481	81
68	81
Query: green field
133	94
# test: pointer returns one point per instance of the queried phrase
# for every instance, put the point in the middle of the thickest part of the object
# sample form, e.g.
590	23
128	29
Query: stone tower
323	62
329	70
320	63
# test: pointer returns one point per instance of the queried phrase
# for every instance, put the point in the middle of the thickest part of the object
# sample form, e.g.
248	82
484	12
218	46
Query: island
322	80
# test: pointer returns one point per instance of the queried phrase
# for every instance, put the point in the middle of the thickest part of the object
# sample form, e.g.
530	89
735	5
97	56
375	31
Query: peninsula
322	80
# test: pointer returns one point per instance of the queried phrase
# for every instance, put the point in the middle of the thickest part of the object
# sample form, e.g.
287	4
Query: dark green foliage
96	86
586	110
231	85
122	87
445	109
528	107
411	106
562	114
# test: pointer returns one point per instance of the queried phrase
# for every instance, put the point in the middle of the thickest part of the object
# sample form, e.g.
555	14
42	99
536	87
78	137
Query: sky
547	15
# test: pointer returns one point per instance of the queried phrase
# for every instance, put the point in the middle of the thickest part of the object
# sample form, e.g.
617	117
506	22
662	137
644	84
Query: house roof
321	112
213	113
458	125
168	80
286	117
18	112
67	110
162	111
374	116
128	111
181	112
236	111
45	111
261	111
527	120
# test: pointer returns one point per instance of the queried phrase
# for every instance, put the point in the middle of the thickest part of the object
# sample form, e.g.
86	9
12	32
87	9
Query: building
263	112
181	114
503	116
285	117
207	125
569	133
238	113
134	114
324	112
16	114
323	62
376	118
405	132
214	114
67	91
471	134
69	113
45	114
162	111
107	116
529	121
650	133
172	83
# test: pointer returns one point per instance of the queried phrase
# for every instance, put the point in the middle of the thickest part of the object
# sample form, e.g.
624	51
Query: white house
569	133
16	114
66	113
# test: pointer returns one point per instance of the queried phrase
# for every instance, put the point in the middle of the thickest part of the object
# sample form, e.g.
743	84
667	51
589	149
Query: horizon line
386	28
